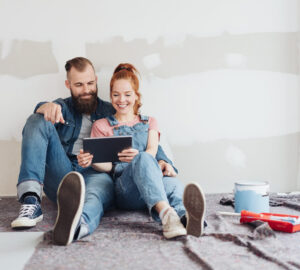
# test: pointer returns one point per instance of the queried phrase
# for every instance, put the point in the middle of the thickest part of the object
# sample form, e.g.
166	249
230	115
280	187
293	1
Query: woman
139	181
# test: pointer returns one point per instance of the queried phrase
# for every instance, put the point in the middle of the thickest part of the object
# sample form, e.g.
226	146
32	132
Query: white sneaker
194	202
172	225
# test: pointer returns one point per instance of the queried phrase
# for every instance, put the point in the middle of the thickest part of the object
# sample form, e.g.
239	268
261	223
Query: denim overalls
140	183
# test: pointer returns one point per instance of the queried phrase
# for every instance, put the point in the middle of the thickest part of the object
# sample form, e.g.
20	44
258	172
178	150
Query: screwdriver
278	222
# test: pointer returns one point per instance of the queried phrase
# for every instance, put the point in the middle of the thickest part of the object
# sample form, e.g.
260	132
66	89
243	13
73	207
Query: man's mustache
88	94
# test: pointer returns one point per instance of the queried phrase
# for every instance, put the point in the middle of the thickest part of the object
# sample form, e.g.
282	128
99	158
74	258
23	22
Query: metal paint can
251	196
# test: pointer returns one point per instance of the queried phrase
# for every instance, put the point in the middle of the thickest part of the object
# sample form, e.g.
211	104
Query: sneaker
70	199
30	214
172	226
194	202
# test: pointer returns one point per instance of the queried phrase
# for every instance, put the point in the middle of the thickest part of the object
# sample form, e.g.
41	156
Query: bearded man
51	146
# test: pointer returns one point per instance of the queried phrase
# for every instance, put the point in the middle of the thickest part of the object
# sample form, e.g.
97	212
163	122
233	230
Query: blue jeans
141	184
45	162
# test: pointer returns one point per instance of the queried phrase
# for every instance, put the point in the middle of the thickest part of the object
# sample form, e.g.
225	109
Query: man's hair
79	63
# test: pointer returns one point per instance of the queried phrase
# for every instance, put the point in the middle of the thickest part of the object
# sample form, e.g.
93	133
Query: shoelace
27	210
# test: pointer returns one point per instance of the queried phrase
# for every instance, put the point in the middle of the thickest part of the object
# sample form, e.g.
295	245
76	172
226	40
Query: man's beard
85	106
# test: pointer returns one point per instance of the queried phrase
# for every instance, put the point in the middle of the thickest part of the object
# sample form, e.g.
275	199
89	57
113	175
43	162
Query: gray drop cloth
291	200
131	240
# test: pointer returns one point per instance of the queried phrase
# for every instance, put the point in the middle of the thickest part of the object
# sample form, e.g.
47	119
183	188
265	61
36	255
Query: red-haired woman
139	181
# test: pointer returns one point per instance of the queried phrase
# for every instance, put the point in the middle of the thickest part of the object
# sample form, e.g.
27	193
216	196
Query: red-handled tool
278	222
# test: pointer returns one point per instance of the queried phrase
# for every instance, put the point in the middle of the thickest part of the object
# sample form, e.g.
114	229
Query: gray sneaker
194	202
70	200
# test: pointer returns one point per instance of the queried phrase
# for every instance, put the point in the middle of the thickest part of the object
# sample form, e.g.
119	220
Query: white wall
222	77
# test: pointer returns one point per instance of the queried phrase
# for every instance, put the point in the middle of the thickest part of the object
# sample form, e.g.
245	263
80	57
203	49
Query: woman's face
123	97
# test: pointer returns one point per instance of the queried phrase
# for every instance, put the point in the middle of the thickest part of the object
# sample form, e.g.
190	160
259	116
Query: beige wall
221	77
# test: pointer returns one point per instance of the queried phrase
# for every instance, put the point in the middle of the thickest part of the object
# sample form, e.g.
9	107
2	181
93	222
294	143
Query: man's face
83	87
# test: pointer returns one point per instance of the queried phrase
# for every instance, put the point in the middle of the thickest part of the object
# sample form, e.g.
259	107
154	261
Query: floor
17	247
131	240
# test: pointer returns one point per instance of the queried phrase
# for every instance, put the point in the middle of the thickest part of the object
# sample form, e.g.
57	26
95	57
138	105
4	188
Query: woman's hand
167	169
128	155
84	159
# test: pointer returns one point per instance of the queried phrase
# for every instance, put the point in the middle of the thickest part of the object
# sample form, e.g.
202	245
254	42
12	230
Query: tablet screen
106	149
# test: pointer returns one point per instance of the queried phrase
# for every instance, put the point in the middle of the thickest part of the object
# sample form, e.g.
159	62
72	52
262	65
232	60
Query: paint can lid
252	183
257	186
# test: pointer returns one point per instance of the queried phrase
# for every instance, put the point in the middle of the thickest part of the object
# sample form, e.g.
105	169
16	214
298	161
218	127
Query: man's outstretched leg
81	204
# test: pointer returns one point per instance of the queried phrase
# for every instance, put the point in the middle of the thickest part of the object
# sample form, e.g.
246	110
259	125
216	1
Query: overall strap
144	118
112	120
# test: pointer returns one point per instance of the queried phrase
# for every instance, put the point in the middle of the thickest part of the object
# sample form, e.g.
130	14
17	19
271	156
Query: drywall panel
219	164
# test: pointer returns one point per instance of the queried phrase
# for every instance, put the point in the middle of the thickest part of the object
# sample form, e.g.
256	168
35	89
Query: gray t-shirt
85	132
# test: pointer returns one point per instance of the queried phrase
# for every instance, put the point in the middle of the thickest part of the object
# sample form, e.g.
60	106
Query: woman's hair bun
125	66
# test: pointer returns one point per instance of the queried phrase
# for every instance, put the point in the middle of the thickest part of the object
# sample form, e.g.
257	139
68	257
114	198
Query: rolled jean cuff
153	213
30	186
155	216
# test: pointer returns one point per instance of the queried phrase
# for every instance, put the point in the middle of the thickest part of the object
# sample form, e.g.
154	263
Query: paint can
251	196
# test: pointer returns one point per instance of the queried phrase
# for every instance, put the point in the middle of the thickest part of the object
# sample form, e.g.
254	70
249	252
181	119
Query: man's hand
84	159
167	169
51	112
128	155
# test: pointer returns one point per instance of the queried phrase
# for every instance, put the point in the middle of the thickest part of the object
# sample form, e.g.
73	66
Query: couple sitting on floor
53	161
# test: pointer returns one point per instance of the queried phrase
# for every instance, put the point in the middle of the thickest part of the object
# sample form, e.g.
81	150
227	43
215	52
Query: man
52	139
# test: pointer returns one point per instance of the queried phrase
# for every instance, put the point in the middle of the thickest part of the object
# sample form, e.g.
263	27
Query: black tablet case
106	149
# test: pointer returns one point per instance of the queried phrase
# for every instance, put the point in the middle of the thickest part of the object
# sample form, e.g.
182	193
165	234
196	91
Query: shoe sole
70	200
194	202
25	223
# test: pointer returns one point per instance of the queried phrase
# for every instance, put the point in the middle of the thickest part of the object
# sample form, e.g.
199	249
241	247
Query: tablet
106	149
